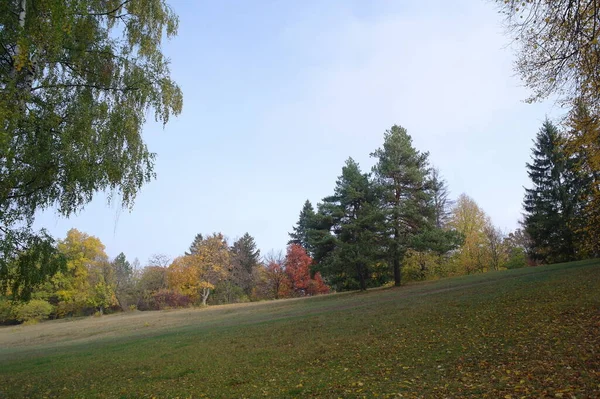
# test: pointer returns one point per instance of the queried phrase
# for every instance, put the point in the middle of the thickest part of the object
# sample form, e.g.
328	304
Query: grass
531	332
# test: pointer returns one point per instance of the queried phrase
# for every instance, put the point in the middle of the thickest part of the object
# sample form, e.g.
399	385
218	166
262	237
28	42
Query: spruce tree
195	244
300	232
245	257
345	237
401	176
552	204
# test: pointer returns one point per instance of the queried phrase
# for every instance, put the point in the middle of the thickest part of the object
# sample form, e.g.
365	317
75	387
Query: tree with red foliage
277	280
297	268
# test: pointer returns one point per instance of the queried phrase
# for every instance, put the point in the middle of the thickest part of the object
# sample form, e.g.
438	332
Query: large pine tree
401	175
552	205
345	239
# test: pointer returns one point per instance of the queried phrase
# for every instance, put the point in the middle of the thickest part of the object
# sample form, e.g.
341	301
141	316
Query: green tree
401	175
245	258
552	204
347	246
77	79
123	283
195	244
299	235
439	192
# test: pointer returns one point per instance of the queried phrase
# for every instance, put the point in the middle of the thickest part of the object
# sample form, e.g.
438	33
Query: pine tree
195	244
553	203
245	258
401	176
299	235
346	240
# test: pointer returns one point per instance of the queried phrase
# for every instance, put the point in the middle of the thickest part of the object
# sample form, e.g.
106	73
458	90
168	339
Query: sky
278	94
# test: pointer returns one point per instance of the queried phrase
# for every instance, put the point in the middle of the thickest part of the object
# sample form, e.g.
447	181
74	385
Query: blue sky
277	94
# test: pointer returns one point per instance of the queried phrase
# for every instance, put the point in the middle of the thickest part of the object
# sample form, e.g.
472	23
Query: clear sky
277	94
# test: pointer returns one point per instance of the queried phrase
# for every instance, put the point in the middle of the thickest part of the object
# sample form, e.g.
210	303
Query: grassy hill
531	332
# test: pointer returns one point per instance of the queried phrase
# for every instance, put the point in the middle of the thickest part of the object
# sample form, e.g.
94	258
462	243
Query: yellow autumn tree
87	282
583	144
471	221
197	274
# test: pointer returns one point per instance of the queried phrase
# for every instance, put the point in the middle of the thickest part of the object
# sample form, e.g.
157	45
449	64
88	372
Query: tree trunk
205	294
396	260
361	278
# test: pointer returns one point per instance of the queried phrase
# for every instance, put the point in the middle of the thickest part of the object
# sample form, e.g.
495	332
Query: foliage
297	268
77	80
197	274
470	221
276	283
401	173
166	299
32	311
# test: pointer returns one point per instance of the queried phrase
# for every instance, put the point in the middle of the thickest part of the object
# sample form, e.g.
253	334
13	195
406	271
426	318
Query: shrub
33	311
165	299
7	312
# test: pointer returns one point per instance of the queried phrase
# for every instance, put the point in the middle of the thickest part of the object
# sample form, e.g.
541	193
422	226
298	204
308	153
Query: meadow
532	332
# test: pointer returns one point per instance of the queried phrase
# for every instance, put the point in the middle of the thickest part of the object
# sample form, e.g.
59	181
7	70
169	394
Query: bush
165	299
33	311
7	312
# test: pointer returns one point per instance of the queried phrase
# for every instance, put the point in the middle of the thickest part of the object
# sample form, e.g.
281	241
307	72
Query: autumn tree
470	220
583	144
401	175
300	232
77	80
552	204
277	283
197	275
87	279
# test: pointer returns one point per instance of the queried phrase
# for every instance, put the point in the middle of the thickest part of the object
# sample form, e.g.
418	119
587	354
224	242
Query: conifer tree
299	235
401	176
552	204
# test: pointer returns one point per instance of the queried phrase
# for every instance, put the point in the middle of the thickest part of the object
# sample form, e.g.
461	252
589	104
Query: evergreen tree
299	235
553	203
401	175
245	258
195	244
346	238
438	188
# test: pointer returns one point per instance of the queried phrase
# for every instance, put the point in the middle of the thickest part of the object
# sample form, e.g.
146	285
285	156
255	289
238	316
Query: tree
558	49
195	244
347	244
76	82
583	144
552	204
196	275
439	192
495	245
276	280
300	233
297	267
401	173
123	280
87	280
470	221
245	258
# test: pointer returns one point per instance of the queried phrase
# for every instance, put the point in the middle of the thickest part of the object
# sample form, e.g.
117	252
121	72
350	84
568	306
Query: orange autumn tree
197	274
297	268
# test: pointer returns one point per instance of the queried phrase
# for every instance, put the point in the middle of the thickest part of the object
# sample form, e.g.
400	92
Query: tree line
210	272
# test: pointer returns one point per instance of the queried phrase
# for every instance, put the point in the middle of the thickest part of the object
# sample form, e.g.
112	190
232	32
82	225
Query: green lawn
531	332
